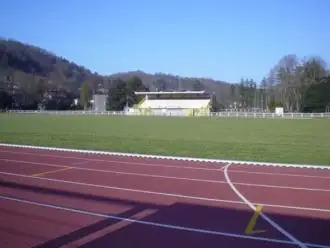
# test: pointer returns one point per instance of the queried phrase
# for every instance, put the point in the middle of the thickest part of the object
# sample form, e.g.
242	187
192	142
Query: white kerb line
275	225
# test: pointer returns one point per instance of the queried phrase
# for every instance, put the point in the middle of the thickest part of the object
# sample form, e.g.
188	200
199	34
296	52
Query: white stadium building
180	103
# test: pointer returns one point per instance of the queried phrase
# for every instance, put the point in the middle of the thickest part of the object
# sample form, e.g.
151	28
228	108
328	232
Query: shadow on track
220	219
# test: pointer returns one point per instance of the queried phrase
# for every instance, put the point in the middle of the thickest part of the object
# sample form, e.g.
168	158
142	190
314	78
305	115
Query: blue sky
224	40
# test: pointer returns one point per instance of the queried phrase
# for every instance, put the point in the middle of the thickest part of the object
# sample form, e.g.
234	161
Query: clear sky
221	39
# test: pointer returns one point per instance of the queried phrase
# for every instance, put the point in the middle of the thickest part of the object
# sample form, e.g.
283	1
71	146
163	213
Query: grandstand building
180	103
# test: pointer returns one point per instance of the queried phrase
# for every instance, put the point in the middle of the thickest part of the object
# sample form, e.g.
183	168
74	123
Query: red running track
62	199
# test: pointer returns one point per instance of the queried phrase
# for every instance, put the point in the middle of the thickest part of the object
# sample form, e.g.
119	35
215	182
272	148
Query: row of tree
37	96
32	78
121	94
311	94
298	84
34	93
294	84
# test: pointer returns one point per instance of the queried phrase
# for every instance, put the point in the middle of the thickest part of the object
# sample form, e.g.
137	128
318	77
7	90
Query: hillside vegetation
31	78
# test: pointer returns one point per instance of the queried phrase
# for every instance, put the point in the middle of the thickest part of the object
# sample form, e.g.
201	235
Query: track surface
61	199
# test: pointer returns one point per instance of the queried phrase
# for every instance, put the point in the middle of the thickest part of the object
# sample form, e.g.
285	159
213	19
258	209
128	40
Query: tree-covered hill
27	70
31	77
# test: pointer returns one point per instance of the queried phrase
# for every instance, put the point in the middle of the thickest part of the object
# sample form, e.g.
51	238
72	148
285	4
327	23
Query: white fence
214	114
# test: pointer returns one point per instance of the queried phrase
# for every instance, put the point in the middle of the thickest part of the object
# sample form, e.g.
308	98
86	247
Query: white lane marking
165	177
149	223
79	163
265	217
278	174
161	193
159	157
282	187
198	167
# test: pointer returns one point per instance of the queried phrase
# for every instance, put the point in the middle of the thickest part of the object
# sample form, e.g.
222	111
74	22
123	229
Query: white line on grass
155	224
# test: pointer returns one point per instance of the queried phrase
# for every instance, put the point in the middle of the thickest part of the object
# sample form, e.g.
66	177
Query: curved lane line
274	224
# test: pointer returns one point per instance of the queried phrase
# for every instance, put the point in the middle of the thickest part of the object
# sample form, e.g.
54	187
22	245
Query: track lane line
155	224
165	177
265	217
278	174
199	167
50	172
80	162
114	227
162	157
160	193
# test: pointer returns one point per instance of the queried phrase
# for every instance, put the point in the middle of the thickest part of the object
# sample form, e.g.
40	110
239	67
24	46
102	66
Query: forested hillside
31	78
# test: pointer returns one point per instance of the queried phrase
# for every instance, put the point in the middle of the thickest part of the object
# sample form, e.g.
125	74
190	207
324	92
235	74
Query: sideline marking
249	229
168	226
47	148
86	160
278	174
165	177
80	162
274	224
161	193
199	167
50	172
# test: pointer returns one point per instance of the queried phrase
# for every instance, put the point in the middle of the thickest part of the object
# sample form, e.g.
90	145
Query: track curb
163	157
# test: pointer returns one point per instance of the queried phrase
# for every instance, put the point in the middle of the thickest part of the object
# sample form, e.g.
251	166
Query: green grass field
271	140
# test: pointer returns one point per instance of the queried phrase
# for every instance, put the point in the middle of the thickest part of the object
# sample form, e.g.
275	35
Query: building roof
172	104
167	92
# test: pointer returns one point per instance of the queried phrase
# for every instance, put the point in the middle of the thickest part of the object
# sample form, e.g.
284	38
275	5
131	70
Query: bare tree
289	85
308	73
263	93
271	84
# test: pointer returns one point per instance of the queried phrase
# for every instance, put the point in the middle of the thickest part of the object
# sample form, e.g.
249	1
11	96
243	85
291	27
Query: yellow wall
139	103
201	111
188	112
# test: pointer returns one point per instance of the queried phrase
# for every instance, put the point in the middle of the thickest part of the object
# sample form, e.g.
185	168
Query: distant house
99	102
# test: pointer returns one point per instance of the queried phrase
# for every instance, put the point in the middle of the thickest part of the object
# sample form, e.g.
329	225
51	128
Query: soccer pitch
262	140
